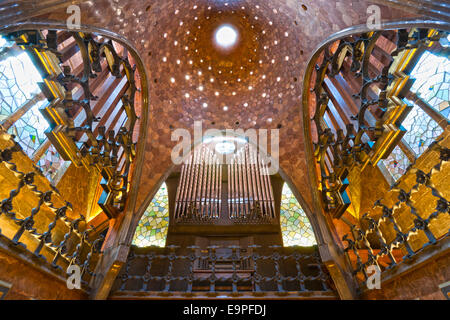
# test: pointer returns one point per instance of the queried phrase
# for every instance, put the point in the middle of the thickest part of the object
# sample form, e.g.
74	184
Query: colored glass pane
19	80
18	83
422	130
52	165
397	163
432	81
29	129
295	226
154	224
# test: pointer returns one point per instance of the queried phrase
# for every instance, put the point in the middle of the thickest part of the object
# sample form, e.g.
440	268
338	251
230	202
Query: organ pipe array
247	197
200	187
249	189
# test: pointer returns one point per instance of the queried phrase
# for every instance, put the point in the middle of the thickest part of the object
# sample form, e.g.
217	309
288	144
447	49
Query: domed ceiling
257	83
249	85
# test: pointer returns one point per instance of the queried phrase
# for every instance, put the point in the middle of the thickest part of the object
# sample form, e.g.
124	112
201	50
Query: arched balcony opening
377	113
72	108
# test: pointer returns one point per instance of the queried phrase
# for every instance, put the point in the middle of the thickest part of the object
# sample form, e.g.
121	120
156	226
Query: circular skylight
226	36
225	147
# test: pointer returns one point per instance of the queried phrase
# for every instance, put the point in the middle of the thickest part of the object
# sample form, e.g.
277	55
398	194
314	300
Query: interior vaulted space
278	149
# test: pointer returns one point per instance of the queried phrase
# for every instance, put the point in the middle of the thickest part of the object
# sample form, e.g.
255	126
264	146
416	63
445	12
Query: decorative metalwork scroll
89	99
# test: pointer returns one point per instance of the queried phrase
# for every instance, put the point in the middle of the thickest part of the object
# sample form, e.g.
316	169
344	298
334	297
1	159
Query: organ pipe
248	193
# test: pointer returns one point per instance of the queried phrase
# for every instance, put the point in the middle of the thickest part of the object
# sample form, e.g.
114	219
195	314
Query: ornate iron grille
378	109
82	130
216	270
51	231
376	244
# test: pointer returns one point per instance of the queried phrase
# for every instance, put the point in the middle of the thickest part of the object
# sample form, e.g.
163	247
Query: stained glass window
19	80
18	83
154	224
397	163
422	130
432	81
295	226
52	165
431	84
29	129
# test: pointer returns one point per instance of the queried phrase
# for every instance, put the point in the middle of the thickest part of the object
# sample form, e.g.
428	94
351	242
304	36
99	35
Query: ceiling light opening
226	36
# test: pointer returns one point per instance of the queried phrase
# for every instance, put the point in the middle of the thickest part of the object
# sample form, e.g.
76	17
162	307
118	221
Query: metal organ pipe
200	185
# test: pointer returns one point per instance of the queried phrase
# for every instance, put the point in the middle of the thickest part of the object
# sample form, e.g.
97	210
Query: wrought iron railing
378	67
82	129
88	131
360	91
49	229
377	242
215	270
